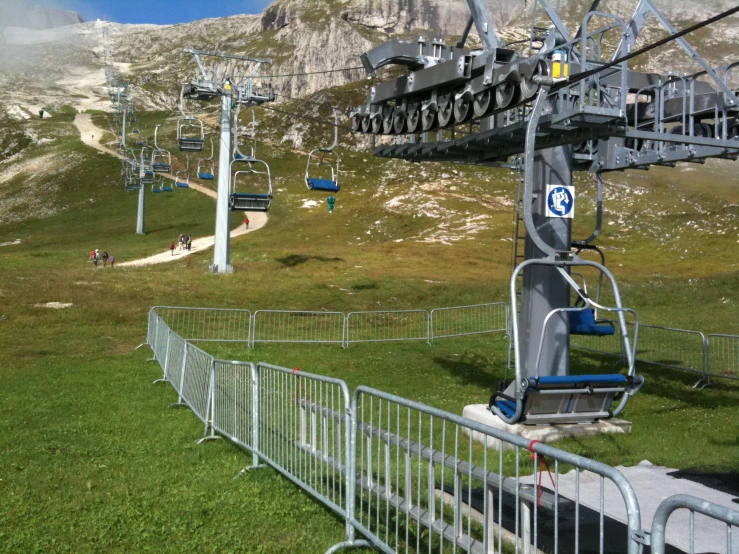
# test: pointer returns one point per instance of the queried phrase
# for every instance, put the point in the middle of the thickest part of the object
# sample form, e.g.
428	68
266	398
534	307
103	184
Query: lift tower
562	103
234	79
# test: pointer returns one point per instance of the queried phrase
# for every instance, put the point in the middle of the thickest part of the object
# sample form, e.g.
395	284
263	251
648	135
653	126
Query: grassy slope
92	459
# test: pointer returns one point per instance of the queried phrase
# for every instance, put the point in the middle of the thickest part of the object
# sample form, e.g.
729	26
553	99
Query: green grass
92	460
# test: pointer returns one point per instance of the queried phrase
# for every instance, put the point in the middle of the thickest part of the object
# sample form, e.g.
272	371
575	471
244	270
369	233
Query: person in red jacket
171	248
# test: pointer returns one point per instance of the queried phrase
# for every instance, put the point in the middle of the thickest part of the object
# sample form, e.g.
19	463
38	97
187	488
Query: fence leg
210	417
163	378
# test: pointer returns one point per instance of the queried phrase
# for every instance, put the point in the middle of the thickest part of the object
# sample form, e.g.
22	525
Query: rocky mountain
18	13
301	36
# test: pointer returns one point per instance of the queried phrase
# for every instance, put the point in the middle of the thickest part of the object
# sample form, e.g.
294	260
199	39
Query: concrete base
542	433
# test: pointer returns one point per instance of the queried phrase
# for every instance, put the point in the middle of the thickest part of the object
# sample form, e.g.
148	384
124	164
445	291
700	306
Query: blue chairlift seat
182	185
323	184
250	202
139	143
567	399
135	131
583	323
161	168
167	188
206	176
156	190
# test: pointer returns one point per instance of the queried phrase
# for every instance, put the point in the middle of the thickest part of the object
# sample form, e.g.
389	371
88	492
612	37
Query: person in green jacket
331	201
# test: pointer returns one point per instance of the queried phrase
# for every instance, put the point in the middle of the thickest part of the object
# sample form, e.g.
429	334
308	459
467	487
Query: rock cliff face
305	36
22	14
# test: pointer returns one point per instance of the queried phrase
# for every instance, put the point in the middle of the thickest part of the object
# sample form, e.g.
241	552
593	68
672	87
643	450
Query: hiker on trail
95	259
171	248
112	262
189	243
93	137
92	255
181	240
246	221
105	258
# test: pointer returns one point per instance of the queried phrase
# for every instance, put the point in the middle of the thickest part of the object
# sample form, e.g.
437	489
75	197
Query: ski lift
207	167
166	186
156	185
190	130
324	162
182	177
161	160
257	175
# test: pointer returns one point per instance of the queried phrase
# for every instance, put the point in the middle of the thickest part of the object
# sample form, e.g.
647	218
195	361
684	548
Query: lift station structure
235	80
570	103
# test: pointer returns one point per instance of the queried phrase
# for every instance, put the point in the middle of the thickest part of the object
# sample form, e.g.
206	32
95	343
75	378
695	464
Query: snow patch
309	204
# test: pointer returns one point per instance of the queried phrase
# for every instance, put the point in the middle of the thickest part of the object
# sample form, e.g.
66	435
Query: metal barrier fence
695	505
208	324
407	476
298	327
710	356
722	358
469	320
385	326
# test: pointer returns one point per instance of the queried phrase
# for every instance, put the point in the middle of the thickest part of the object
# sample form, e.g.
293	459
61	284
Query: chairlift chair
190	130
569	398
324	162
584	322
259	197
251	201
161	160
207	167
156	186
182	177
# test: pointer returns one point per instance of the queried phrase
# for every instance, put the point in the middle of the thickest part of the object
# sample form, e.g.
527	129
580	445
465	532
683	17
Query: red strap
544	464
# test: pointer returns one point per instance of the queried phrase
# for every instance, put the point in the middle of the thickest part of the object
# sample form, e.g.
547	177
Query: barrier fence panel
297	435
298	327
208	324
175	361
382	326
151	329
676	348
162	339
234	408
716	521
196	384
723	356
469	320
423	485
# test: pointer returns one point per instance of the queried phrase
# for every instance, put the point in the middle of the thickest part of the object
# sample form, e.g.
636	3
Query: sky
156	11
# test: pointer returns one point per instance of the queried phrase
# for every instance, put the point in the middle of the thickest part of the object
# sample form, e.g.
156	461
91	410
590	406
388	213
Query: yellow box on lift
560	67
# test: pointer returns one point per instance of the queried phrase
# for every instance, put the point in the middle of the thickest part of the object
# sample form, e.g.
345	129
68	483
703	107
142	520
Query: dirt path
257	220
